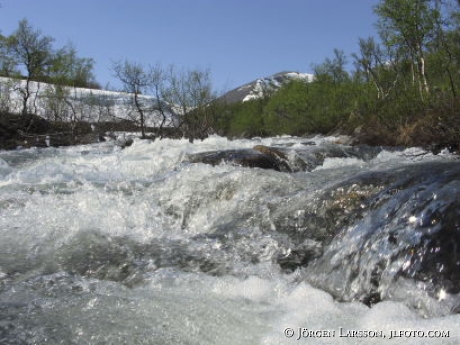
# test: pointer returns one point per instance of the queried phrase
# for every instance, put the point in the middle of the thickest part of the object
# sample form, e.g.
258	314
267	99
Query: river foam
100	245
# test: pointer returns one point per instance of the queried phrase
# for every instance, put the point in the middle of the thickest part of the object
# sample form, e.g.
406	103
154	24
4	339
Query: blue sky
238	40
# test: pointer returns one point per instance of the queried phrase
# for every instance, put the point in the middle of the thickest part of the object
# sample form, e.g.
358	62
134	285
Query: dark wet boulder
286	159
246	158
272	151
309	157
261	156
124	141
314	156
289	158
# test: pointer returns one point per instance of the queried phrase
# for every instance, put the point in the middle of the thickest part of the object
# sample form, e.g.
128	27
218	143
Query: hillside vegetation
402	89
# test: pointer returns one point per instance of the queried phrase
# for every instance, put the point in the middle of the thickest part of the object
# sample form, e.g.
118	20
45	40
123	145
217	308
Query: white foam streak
148	191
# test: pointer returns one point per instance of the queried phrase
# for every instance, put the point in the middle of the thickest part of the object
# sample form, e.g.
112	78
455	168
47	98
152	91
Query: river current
104	245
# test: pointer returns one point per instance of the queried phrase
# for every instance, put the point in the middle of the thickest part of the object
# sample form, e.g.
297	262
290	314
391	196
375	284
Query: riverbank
24	131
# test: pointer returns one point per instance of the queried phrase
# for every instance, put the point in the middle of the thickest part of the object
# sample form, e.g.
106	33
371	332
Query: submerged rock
399	225
245	158
124	141
295	164
285	159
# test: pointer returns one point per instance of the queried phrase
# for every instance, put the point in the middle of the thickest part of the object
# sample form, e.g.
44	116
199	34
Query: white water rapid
103	245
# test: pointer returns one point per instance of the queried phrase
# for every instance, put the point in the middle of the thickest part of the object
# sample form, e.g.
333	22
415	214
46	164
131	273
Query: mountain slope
263	86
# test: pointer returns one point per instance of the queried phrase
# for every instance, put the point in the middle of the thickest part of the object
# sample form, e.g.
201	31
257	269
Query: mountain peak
260	87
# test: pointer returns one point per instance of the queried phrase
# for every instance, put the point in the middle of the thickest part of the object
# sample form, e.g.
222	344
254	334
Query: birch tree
136	80
409	25
32	51
191	92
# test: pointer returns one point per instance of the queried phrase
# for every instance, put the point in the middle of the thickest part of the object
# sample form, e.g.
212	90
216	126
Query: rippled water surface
100	245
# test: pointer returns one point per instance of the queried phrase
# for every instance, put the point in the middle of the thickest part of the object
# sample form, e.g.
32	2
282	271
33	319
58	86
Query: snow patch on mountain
270	84
263	86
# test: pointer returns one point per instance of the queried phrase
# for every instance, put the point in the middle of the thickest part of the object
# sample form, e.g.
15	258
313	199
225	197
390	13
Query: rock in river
246	158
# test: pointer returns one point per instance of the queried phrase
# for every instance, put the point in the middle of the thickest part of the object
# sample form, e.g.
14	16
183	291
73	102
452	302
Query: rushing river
103	245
